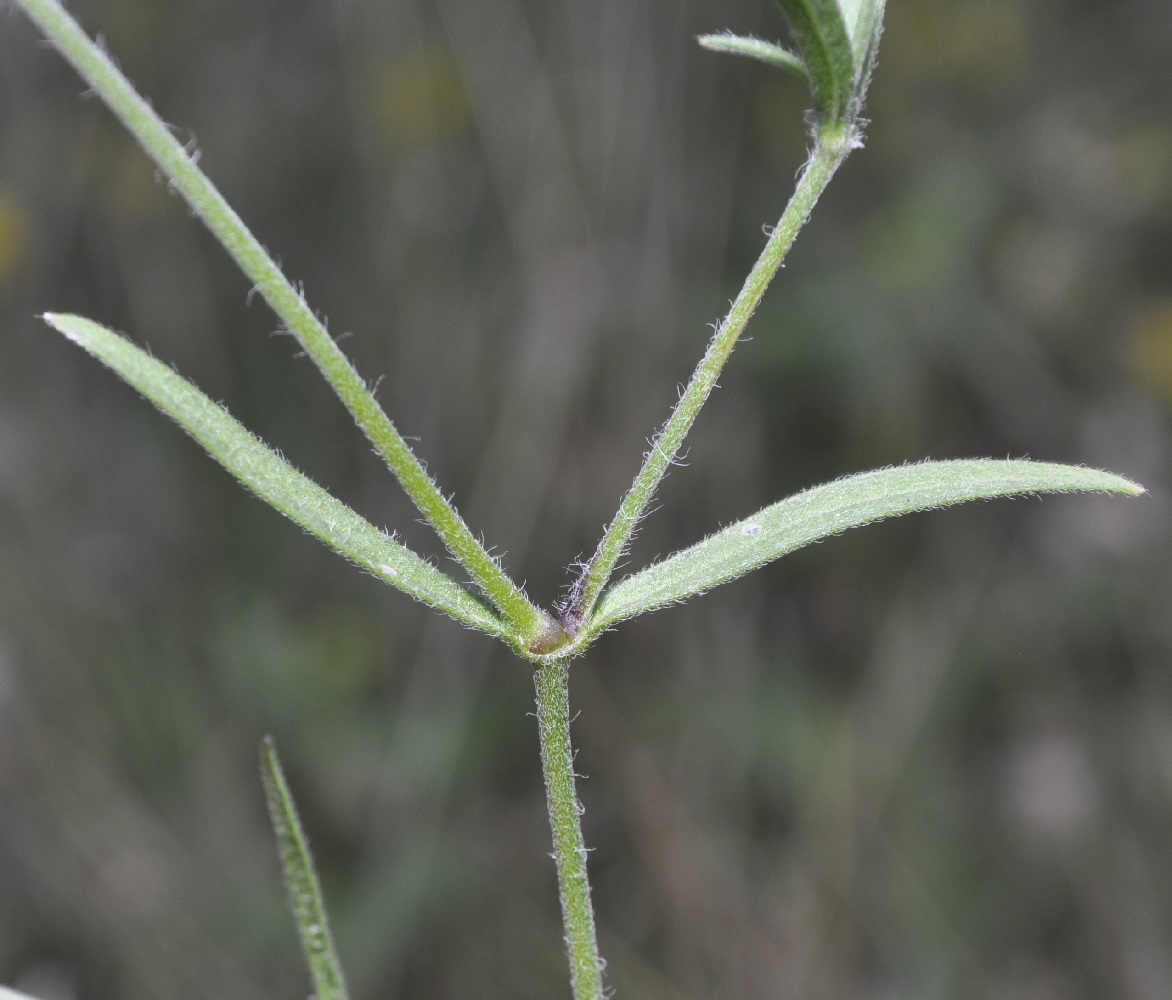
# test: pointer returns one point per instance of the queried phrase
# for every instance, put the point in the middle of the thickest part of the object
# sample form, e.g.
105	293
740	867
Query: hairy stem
179	166
828	154
565	820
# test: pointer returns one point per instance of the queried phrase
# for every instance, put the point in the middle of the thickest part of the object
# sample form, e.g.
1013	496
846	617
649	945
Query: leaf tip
63	323
271	773
715	41
1127	487
270	763
54	320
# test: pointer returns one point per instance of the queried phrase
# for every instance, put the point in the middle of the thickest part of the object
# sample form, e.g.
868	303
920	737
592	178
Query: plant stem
828	153
179	166
565	820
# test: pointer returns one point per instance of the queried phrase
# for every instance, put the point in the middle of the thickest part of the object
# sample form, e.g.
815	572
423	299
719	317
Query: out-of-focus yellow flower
422	96
1152	348
13	239
982	44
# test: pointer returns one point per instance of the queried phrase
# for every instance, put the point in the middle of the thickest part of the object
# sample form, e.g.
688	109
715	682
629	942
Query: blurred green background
929	759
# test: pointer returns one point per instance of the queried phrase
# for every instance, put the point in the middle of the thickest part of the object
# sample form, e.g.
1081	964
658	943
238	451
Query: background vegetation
929	759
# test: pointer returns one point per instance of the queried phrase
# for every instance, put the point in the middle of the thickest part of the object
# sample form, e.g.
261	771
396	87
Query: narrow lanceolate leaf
860	18
757	48
827	510
821	35
865	24
305	898
273	479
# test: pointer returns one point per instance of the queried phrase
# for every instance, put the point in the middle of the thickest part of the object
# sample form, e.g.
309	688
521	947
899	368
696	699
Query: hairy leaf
757	48
273	479
865	31
305	897
838	40
827	510
822	39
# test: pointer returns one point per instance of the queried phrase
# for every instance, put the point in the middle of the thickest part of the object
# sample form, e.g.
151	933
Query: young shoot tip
551	636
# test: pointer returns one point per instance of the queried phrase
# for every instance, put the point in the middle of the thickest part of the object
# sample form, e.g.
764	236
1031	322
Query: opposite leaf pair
837	42
746	545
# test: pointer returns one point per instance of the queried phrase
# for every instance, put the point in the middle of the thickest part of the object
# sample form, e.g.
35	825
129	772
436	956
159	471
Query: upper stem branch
828	153
289	304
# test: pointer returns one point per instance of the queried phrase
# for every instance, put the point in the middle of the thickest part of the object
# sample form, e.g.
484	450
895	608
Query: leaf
274	480
865	33
830	509
7	994
305	898
824	43
757	48
838	40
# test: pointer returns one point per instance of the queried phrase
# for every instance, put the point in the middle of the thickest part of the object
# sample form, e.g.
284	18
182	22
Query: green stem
565	820
289	304
829	152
